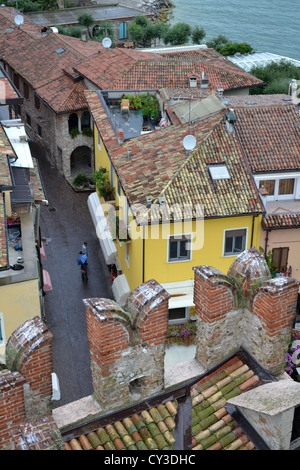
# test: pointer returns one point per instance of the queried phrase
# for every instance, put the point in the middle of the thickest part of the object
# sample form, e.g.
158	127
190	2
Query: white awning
120	289
182	293
106	242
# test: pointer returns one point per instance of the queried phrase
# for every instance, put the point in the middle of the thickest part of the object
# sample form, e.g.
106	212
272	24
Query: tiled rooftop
168	171
270	136
154	428
280	221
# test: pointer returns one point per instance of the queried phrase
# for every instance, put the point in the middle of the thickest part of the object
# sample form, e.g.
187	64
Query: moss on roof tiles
211	425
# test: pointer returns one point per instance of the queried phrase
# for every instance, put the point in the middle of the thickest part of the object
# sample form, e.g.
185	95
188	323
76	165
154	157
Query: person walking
84	248
82	262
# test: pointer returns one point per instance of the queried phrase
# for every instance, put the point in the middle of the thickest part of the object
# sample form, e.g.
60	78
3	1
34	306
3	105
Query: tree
86	20
102	30
218	41
276	77
198	34
178	34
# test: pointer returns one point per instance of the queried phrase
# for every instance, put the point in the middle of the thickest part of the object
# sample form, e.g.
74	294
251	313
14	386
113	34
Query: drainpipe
266	242
253	222
143	266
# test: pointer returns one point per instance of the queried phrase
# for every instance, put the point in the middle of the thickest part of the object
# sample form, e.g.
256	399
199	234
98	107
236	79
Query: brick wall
26	383
245	309
127	346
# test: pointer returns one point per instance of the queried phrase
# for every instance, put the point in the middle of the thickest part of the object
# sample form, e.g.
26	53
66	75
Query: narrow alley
65	225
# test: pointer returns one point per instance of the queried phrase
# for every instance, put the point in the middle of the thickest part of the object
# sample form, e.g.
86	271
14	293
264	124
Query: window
269	186
286	186
99	140
280	259
26	91
39	129
219	172
127	253
28	119
123	31
235	242
179	248
73	122
37	102
278	188
85	120
119	188
178	315
112	173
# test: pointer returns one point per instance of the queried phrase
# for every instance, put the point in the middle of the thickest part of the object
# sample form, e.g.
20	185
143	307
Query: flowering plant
292	358
102	184
182	334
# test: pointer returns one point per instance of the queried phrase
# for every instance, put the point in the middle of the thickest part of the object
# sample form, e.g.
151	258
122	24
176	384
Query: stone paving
65	225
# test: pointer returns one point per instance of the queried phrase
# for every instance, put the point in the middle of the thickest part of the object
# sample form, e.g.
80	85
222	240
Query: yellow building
21	193
176	207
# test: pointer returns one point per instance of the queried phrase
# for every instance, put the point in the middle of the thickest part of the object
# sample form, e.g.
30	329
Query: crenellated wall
245	309
127	346
26	382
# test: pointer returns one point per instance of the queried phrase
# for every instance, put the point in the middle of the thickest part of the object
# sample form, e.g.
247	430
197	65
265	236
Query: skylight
60	50
219	172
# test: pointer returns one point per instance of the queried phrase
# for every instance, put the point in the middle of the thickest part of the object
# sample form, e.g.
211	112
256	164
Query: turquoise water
268	25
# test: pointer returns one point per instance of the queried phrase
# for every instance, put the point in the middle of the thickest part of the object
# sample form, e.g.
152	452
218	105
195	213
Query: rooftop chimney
230	120
204	82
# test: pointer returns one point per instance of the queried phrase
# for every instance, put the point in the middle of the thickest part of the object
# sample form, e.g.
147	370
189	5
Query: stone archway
80	161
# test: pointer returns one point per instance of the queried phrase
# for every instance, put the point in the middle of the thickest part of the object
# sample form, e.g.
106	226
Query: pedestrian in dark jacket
82	262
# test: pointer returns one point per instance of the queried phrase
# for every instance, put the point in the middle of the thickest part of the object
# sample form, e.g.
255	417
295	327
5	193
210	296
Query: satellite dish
19	20
189	142
54	29
106	43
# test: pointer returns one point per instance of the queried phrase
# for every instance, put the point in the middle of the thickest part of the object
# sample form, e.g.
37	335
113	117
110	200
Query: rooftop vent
204	82
193	82
230	120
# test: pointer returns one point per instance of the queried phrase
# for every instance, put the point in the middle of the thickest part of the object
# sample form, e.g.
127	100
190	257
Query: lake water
267	25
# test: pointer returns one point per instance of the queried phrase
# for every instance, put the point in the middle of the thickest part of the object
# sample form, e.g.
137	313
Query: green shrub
80	180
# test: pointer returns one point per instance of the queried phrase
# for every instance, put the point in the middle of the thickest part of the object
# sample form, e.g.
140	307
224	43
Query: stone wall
26	382
127	346
245	309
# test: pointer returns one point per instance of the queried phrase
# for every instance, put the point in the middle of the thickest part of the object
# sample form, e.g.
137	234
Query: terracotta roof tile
281	221
212	426
270	136
182	179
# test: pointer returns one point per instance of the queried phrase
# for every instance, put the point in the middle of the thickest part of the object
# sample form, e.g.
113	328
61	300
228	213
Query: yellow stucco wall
19	302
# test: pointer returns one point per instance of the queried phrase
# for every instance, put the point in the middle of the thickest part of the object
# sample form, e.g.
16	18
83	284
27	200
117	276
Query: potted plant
74	132
87	131
80	180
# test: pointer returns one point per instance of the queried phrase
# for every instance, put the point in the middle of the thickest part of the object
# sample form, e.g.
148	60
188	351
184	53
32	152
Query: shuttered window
280	259
123	31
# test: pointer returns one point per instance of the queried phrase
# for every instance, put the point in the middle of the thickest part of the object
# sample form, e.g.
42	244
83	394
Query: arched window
123	31
85	120
73	121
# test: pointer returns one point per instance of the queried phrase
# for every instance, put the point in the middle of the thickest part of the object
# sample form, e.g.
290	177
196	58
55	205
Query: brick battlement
245	309
26	384
127	345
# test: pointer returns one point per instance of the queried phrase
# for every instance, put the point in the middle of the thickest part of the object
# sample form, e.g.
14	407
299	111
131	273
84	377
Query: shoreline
161	9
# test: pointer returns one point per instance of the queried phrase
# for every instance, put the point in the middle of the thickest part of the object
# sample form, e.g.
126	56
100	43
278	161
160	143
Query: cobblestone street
65	225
